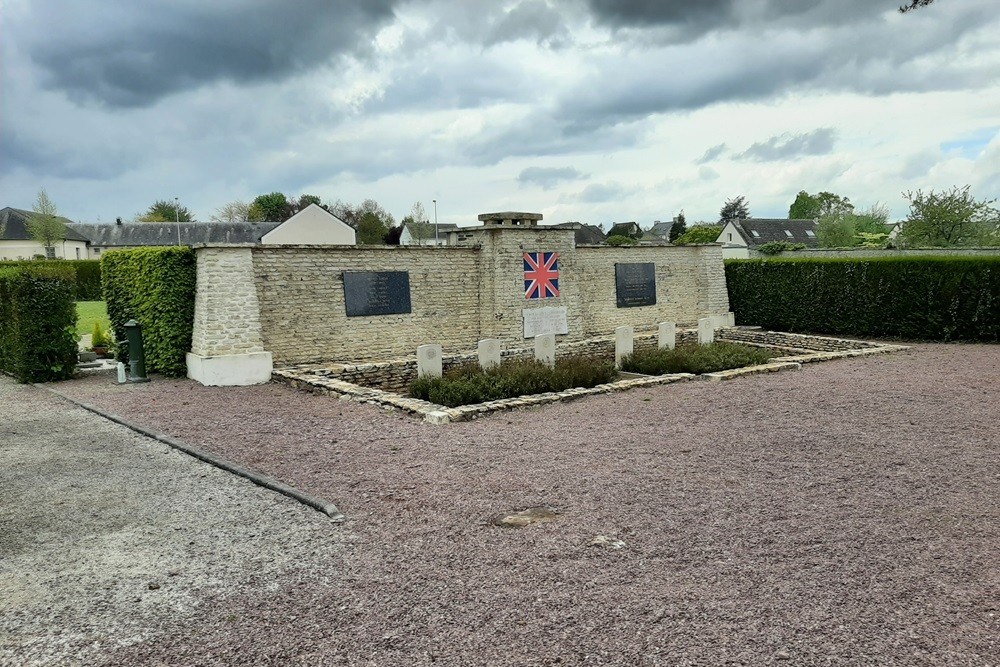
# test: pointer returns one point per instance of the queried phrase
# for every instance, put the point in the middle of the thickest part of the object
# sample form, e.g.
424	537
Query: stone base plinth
230	369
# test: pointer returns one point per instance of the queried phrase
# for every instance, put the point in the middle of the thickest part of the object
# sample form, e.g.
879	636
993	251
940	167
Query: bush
88	274
469	383
620	240
777	247
928	298
695	359
154	286
98	338
700	234
38	322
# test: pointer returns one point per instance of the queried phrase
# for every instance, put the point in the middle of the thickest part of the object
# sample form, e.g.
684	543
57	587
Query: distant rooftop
510	219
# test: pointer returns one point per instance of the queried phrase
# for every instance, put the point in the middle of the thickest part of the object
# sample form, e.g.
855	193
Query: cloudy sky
589	110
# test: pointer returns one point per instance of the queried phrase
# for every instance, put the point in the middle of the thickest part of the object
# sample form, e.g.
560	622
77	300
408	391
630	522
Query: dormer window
755	233
788	234
810	233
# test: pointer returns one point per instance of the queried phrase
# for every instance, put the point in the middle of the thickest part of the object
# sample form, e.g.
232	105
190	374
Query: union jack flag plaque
541	275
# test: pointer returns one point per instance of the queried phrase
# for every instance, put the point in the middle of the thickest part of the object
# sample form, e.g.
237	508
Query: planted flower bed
696	359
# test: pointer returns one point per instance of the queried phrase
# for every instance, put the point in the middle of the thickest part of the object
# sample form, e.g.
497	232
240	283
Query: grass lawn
88	312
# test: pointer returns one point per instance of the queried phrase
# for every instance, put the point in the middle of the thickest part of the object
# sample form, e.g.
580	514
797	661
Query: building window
810	233
78	253
788	234
97	251
50	252
755	233
729	237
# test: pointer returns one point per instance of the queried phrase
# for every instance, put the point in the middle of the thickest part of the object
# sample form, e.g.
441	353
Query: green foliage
868	227
929	298
165	211
469	383
44	226
88	275
950	218
678	228
156	287
234	211
811	207
88	312
734	209
273	207
697	359
97	337
306	200
777	247
37	322
620	240
700	234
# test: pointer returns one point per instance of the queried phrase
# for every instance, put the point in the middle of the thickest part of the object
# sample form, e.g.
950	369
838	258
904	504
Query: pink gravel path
847	514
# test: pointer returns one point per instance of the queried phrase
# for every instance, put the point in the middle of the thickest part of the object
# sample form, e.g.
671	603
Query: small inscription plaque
547	320
635	284
376	292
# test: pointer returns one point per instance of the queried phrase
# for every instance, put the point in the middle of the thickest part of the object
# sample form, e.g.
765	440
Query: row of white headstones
429	356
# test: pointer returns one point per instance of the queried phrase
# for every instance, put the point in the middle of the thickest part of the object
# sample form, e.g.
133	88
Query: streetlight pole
177	218
435	222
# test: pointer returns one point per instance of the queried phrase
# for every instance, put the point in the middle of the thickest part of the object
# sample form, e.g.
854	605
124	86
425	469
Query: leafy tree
836	230
418	224
846	229
700	234
374	223
306	200
392	238
235	211
165	211
678	228
734	209
346	212
273	207
44	226
620	240
811	207
950	218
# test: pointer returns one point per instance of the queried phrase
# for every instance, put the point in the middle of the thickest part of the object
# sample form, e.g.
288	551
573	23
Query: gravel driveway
846	514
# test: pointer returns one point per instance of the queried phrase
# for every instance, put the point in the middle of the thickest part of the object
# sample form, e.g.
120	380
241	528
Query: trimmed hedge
88	274
38	322
920	298
155	286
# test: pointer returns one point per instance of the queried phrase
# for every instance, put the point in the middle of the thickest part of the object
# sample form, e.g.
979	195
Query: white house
738	237
16	242
312	225
423	233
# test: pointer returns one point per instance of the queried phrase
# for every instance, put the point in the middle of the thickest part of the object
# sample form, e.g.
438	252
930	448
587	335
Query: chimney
118	221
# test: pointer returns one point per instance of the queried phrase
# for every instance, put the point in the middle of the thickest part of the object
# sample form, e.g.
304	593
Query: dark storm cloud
133	54
534	20
548	177
711	154
787	146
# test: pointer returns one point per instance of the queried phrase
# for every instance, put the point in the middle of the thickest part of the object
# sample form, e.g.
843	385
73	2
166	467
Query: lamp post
177	218
435	222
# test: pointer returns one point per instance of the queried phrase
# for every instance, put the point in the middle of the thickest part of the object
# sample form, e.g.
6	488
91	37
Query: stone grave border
344	380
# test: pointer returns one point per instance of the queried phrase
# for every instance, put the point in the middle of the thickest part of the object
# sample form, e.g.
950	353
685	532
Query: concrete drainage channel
384	382
264	481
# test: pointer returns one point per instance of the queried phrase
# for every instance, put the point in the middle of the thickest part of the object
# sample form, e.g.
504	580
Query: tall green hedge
38	322
88	274
922	298
154	286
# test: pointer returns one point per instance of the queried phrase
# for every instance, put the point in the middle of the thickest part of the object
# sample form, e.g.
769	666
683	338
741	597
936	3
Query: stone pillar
623	343
429	361
545	349
706	331
489	353
226	343
668	335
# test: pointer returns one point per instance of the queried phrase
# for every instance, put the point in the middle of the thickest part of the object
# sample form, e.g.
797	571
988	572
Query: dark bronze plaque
376	292
635	284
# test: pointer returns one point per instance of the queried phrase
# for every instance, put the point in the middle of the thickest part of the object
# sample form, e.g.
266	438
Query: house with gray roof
111	236
426	233
16	242
584	234
738	237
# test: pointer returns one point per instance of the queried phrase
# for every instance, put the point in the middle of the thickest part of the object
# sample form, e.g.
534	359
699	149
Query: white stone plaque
545	320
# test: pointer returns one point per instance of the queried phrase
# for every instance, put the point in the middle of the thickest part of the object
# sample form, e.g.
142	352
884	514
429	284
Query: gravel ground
846	514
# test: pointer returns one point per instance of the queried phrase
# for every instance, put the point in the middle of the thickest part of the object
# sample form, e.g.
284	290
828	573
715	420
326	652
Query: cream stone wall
303	313
226	311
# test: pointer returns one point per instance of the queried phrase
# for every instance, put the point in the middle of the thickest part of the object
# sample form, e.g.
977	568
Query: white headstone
668	335
623	343
706	331
429	361
121	373
489	353
730	319
719	321
545	349
544	320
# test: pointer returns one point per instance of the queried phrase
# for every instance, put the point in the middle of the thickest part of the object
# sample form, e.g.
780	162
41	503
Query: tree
235	211
44	226
950	218
373	223
620	240
418	224
700	234
306	200
678	228
914	5
846	229
273	207
165	211
811	207
734	209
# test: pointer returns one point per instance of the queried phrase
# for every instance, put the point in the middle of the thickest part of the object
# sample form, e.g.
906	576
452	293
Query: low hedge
469	383
156	287
920	298
697	359
88	274
38	322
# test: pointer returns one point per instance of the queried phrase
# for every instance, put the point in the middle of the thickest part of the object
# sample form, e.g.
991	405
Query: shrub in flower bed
469	383
696	359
